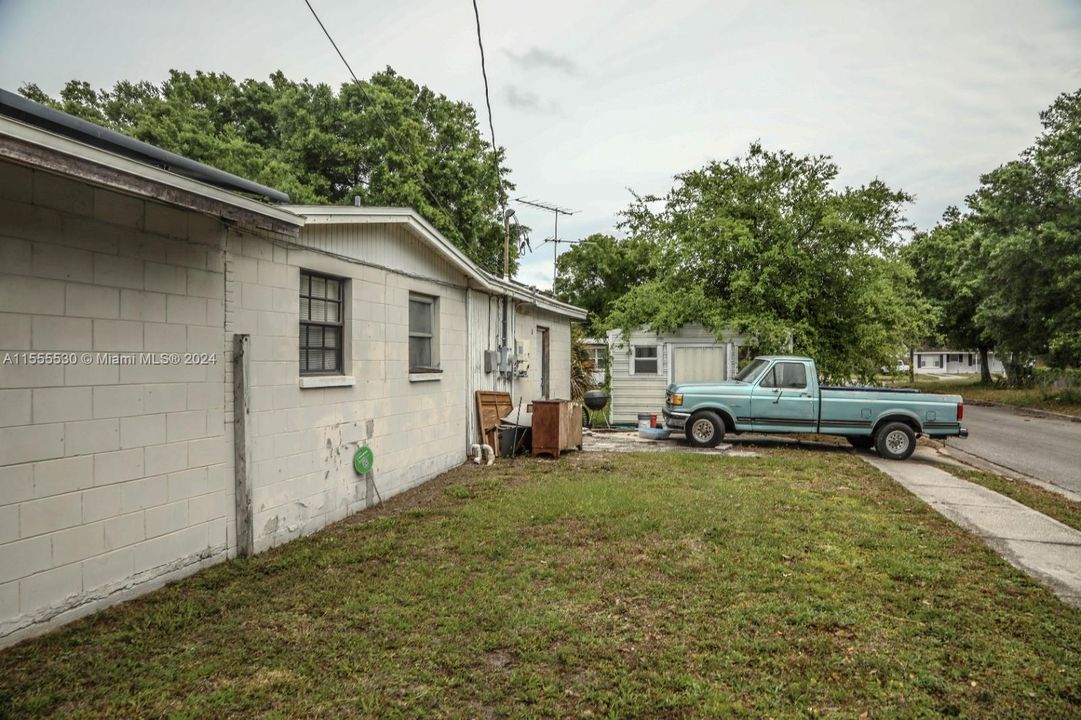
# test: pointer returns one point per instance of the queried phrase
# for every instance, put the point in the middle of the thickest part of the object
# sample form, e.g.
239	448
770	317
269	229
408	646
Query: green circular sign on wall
363	460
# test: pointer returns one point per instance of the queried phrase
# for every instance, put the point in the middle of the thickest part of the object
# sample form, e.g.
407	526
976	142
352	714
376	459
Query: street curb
1033	412
979	463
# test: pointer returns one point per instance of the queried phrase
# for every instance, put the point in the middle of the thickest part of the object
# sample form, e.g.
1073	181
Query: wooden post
245	537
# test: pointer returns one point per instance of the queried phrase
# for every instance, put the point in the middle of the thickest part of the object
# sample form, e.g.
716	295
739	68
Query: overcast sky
592	98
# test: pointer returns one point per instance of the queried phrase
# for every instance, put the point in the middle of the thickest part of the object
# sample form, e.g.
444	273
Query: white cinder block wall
528	319
115	478
110	475
303	439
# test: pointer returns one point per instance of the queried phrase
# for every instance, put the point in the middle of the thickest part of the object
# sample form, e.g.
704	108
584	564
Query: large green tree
948	264
1028	213
599	270
388	141
765	244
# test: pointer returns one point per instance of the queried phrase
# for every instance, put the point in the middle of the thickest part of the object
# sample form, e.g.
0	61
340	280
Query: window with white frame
423	333
646	360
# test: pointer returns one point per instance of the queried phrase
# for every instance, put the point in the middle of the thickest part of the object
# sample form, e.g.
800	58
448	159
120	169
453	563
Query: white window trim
660	365
326	381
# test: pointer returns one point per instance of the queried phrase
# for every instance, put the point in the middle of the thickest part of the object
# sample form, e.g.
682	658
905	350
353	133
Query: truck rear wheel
705	429
895	441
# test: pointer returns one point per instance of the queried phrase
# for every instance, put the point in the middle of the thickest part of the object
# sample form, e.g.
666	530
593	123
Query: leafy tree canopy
764	244
599	270
1028	213
949	271
387	141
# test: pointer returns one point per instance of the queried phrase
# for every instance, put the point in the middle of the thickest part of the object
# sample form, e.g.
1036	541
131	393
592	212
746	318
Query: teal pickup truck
781	394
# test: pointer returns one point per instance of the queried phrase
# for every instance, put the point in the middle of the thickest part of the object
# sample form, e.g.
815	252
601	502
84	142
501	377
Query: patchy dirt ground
630	441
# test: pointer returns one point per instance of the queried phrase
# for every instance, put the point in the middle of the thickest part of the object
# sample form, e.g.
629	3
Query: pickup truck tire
705	429
895	441
861	442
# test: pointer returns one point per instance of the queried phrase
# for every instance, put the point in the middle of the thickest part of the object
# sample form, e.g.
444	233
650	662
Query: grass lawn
969	387
652	585
1052	504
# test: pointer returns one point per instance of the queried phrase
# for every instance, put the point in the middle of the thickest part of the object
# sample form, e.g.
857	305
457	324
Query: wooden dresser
557	426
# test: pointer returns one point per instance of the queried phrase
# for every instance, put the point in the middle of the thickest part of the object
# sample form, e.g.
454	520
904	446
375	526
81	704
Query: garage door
697	364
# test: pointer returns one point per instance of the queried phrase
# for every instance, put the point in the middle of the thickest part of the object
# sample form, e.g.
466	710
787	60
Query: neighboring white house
643	364
954	362
135	446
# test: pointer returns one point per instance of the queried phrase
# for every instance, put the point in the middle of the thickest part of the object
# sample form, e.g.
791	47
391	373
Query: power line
375	111
487	99
325	32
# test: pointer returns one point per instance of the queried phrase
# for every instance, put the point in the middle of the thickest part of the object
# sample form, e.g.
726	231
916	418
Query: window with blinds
321	324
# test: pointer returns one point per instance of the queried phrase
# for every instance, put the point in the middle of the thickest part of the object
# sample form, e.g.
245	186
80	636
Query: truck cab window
751	372
791	376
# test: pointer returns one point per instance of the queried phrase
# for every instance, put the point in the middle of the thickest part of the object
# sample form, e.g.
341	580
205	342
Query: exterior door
545	352
705	363
782	400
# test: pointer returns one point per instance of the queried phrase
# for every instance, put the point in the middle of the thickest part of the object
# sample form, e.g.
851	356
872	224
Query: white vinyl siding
634	393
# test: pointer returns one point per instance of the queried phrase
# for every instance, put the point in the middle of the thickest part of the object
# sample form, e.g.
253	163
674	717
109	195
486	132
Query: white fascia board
80	151
353	214
535	297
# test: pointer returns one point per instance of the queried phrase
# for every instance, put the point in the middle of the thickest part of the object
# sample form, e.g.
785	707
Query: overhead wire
393	138
488	103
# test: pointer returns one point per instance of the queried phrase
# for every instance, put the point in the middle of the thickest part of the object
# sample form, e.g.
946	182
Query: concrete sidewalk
1040	546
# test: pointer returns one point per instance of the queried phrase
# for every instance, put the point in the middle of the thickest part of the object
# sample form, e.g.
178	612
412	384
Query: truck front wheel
895	441
705	429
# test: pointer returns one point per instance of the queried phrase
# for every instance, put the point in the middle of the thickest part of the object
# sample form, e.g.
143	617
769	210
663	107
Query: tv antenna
556	210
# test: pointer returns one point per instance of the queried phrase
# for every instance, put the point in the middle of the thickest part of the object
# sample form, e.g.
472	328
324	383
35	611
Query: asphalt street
1043	448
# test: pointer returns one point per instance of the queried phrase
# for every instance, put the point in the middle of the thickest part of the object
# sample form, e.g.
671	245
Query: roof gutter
27	111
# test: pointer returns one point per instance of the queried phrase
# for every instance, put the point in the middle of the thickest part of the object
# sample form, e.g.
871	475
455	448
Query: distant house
598	356
645	363
188	364
953	362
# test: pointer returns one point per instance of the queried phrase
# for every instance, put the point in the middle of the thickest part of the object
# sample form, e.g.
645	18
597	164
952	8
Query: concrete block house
188	363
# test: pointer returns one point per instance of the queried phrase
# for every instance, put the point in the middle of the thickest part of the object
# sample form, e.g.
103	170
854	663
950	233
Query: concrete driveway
1042	448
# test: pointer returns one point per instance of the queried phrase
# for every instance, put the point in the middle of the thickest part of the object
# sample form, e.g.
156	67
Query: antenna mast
556	210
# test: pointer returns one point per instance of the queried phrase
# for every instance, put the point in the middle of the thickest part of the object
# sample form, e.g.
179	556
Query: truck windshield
750	373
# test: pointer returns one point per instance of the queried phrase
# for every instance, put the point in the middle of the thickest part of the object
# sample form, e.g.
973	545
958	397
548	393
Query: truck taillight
960	411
